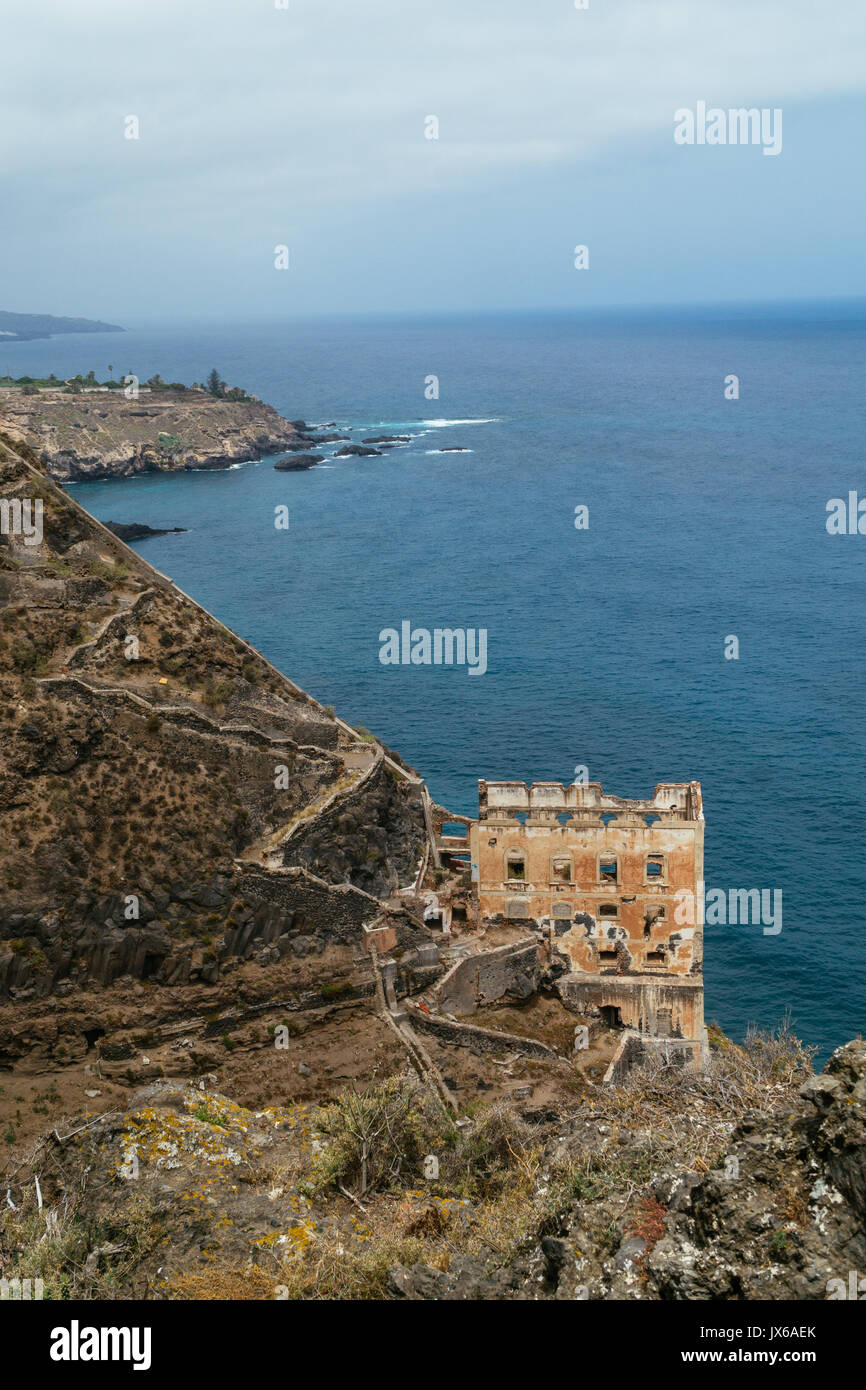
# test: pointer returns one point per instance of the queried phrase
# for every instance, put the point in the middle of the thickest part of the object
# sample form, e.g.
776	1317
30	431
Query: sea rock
296	462
360	450
137	531
306	441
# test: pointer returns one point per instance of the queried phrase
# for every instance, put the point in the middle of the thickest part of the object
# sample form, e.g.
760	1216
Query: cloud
265	117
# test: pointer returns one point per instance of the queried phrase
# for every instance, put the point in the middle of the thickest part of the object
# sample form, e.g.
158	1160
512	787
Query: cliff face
154	771
104	435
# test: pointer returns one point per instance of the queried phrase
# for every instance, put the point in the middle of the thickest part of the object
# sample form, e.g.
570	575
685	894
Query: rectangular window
560	869
515	865
655	866
607	867
608	910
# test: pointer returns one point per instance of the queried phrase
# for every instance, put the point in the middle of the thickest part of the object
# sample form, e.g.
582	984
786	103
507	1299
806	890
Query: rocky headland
103	434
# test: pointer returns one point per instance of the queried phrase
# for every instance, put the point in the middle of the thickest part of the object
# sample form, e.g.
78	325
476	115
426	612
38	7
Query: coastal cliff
201	864
152	763
102	434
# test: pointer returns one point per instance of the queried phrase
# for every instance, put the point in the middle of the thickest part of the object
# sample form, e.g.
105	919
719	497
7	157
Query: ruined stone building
611	888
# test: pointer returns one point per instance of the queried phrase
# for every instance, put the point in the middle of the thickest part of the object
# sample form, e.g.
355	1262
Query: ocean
605	645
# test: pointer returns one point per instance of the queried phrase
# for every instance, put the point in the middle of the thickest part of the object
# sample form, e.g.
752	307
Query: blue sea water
605	646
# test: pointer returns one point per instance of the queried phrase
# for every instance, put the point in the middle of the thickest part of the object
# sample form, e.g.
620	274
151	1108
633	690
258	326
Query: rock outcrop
297	462
781	1215
138	531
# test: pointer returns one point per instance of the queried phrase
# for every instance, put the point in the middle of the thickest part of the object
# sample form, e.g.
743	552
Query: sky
306	127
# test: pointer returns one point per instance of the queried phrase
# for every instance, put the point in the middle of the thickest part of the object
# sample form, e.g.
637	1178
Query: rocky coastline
103	434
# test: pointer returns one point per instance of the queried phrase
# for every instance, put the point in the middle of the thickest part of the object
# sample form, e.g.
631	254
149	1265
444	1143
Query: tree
214	384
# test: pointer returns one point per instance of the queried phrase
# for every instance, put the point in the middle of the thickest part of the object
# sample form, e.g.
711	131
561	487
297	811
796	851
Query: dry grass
687	1115
242	1284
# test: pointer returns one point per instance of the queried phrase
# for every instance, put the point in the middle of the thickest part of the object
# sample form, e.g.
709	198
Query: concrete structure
610	886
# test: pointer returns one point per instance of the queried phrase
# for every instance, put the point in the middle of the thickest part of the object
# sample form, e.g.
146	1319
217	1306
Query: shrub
216	693
24	655
169	444
380	1136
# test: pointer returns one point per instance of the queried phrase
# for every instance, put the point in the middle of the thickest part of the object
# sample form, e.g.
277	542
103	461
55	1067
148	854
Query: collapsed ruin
609	889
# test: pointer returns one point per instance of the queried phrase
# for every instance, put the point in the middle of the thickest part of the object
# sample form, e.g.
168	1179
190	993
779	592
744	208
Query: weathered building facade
611	886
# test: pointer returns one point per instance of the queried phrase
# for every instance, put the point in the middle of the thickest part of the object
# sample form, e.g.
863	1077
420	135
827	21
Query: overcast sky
306	127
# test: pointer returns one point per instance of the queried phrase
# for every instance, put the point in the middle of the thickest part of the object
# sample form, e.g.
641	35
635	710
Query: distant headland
19	328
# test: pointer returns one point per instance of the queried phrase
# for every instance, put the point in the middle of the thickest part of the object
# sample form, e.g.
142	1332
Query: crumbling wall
662	1007
635	1049
508	972
476	1039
